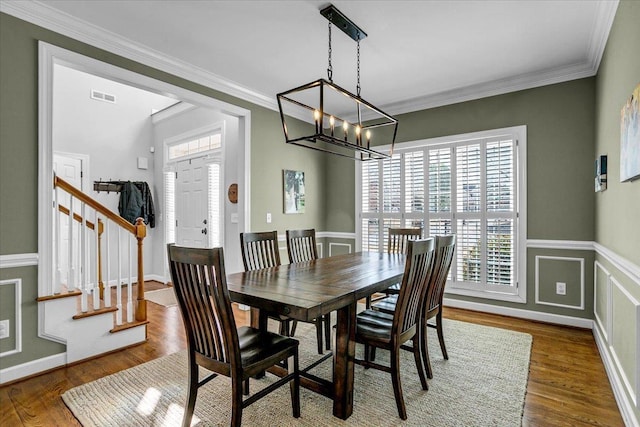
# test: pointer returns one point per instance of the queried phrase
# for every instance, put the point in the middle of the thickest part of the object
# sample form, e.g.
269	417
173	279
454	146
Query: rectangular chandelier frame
354	140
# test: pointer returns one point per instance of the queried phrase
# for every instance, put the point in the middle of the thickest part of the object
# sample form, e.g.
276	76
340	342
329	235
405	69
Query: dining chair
376	329
260	250
301	247
397	244
432	304
213	340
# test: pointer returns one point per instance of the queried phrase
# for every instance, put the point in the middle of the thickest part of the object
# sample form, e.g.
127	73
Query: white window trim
520	134
190	135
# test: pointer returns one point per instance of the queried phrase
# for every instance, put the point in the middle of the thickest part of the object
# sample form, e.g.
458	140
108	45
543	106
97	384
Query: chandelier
323	116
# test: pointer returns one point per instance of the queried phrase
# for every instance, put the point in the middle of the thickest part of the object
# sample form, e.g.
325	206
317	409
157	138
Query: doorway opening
236	160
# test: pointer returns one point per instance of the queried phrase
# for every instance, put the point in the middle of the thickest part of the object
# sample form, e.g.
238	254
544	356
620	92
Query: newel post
141	308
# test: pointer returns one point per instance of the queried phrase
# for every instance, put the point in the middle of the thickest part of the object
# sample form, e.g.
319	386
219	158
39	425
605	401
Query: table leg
343	365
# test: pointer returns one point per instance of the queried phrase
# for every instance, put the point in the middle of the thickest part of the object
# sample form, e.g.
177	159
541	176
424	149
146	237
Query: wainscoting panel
11	310
550	270
617	327
602	298
339	248
624	342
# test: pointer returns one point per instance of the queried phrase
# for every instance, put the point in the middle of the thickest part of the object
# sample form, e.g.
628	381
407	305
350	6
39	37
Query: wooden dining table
307	290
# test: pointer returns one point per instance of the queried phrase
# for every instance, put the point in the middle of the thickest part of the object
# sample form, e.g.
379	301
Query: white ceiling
417	54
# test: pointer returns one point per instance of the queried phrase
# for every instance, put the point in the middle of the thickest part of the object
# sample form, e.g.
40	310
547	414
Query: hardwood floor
567	383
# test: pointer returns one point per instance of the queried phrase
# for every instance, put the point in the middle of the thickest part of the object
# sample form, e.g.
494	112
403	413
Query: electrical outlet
4	329
268	217
561	288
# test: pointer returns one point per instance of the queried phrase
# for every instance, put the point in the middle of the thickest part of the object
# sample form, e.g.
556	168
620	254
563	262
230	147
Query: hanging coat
136	202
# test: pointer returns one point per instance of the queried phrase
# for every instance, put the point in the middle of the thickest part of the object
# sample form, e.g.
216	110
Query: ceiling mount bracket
339	19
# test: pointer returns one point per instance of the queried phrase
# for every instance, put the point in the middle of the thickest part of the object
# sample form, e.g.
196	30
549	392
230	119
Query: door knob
204	230
204	222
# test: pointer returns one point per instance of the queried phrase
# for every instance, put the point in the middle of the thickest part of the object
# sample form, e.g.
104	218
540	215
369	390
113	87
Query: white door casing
70	168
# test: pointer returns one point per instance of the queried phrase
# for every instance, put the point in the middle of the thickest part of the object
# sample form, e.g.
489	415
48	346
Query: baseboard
156	277
34	367
624	404
539	316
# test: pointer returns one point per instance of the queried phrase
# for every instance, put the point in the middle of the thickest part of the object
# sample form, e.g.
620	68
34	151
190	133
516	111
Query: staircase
94	304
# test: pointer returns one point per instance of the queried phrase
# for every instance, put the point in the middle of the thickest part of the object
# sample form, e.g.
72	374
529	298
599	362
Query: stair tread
97	312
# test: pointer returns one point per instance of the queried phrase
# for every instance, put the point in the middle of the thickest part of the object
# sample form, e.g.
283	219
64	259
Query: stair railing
81	247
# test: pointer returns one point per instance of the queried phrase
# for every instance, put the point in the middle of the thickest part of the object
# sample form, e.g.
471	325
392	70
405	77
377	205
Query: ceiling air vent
101	96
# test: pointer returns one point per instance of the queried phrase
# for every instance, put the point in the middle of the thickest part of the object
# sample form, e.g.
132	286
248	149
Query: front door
192	217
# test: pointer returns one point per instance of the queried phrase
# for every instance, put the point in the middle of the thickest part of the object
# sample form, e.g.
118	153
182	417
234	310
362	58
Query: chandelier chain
330	68
358	85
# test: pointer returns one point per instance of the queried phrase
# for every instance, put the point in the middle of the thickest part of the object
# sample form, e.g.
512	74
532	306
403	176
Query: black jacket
136	201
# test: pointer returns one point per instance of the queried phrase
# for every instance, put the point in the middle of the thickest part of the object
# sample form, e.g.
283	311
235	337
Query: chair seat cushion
393	289
374	324
256	346
387	305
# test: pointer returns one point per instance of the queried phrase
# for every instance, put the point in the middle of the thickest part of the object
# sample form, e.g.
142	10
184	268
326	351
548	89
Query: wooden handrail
59	182
139	230
78	218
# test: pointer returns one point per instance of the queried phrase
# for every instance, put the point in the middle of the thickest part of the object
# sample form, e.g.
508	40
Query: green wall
19	163
560	155
617	210
559	121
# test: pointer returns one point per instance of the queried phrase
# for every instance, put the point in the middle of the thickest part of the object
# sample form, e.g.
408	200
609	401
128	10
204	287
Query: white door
69	169
192	201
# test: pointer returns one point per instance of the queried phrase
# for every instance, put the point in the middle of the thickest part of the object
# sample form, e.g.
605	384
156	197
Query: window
170	206
195	146
471	185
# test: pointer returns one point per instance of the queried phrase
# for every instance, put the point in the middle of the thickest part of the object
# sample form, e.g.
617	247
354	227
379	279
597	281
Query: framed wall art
294	200
630	138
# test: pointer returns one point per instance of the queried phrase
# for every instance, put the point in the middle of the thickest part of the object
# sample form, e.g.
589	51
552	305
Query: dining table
308	290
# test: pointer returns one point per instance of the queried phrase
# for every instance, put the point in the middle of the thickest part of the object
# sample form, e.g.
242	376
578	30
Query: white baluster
71	282
130	287
83	257
96	285
107	281
119	283
55	286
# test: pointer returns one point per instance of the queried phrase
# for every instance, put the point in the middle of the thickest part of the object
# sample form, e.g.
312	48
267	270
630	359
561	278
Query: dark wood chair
432	305
397	244
301	247
214	341
376	329
260	250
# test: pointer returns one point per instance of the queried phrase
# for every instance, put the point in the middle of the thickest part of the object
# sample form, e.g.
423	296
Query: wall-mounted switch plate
561	288
4	329
268	217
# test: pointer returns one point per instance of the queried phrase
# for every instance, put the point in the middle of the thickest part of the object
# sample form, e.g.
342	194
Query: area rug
165	297
482	384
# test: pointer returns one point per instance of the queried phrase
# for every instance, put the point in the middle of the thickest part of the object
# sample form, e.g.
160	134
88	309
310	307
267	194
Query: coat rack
108	186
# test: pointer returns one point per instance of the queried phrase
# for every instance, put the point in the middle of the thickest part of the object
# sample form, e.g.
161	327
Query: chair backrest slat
259	250
398	238
415	280
443	255
200	285
301	245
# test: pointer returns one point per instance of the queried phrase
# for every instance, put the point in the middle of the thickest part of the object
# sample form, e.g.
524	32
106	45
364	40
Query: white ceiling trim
52	19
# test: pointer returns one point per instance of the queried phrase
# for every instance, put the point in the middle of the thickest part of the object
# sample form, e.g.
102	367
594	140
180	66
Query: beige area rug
165	297
482	384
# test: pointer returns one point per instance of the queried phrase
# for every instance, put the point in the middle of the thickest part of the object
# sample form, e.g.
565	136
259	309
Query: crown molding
41	14
45	16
